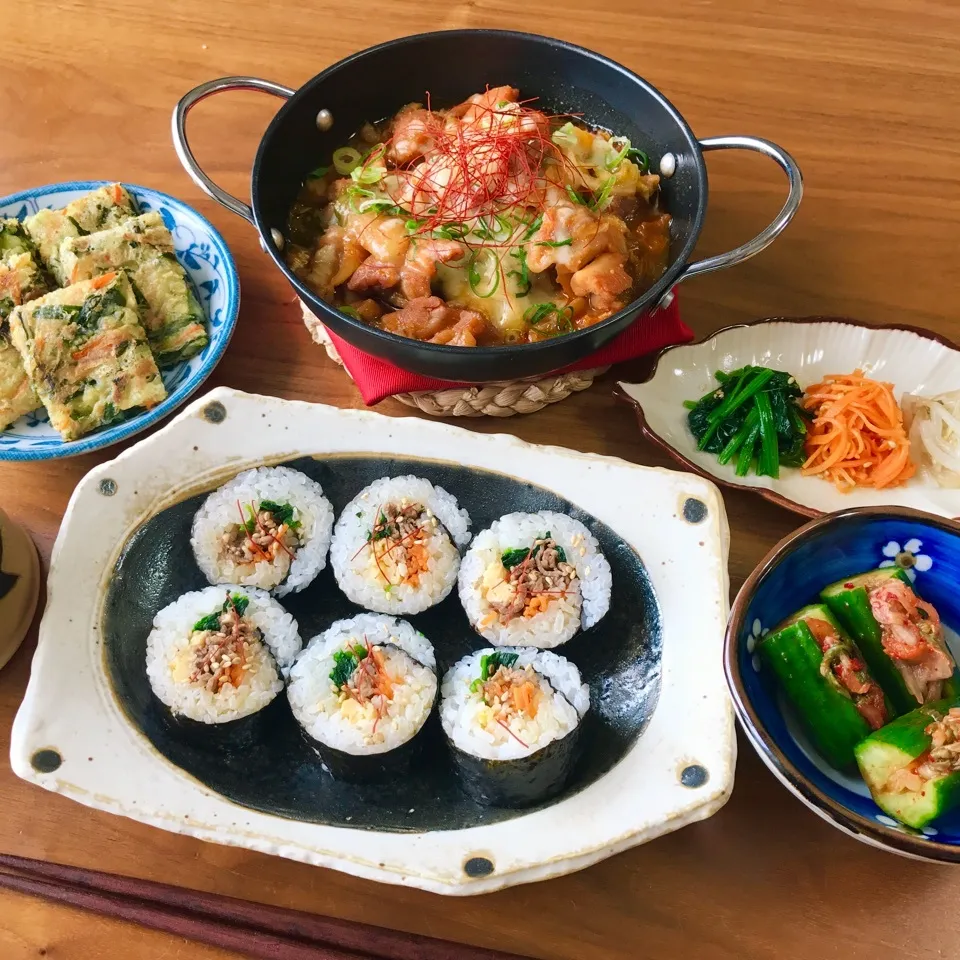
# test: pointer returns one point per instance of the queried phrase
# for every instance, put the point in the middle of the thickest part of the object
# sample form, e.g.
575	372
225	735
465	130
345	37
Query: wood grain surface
865	93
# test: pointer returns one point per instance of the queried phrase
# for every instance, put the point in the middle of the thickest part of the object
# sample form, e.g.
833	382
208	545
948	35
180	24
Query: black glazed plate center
264	764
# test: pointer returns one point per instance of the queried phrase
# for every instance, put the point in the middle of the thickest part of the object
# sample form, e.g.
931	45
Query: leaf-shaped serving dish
913	360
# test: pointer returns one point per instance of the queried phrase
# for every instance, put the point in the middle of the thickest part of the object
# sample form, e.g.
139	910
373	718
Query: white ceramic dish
678	771
913	360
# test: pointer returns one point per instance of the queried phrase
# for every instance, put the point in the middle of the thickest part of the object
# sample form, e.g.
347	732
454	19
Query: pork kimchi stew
487	224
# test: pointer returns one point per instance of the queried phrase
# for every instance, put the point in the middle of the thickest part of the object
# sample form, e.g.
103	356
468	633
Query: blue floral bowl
209	264
793	573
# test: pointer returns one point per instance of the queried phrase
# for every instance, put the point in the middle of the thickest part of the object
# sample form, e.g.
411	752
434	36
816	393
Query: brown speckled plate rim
770	495
926	848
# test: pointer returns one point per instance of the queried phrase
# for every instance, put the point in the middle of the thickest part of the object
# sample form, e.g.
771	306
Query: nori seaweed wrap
512	719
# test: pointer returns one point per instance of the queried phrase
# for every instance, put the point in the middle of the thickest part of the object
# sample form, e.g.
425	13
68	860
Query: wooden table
864	92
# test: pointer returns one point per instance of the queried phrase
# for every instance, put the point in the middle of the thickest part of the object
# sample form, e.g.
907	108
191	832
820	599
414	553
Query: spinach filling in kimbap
268	528
220	664
374	686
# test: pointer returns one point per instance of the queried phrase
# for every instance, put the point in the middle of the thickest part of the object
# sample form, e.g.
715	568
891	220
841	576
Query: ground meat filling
943	757
511	691
260	539
542	575
398	542
222	655
370	679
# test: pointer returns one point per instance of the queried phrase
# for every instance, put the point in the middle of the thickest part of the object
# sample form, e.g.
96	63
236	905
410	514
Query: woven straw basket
503	398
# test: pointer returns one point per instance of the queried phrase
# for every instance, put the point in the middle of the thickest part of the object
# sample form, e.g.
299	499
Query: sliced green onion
318	173
412	226
554	243
523	274
473	276
565	136
538	313
350	312
565	320
576	197
345	160
642	160
354	193
379	205
541	312
371	169
600	201
504	229
615	161
533	228
451	231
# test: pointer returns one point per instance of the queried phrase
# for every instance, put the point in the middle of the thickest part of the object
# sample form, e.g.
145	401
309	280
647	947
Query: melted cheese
504	308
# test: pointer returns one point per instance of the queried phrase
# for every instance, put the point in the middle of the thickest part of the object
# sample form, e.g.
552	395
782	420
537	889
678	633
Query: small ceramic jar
19	586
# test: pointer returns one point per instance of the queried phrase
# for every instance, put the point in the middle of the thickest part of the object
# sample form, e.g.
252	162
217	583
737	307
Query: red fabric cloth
377	379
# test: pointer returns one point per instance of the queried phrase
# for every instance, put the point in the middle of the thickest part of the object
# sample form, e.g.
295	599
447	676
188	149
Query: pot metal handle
179	124
763	239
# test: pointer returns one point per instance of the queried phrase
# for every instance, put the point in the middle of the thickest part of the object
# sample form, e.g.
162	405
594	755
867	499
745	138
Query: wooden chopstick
261	930
255	943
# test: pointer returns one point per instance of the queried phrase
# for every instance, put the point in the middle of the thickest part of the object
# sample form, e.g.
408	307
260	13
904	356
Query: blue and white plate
792	575
209	264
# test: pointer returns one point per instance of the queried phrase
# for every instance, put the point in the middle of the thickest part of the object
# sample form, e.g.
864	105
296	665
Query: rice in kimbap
512	718
268	528
395	546
362	692
534	579
217	655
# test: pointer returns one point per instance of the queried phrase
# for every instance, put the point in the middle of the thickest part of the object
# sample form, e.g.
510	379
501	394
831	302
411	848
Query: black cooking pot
452	65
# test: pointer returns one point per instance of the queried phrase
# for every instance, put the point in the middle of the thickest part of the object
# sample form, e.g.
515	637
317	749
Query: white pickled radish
934	425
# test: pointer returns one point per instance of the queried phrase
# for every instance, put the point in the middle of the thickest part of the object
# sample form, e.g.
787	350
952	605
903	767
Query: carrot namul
857	438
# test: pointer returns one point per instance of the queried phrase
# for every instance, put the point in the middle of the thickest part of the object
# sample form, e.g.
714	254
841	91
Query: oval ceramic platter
209	264
659	741
913	360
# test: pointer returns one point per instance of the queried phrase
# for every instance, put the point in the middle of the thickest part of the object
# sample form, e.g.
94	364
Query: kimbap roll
217	655
362	691
534	579
512	719
395	546
268	528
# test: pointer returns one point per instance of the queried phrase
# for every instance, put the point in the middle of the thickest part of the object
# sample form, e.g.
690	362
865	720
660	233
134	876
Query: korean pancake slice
143	247
86	354
102	208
